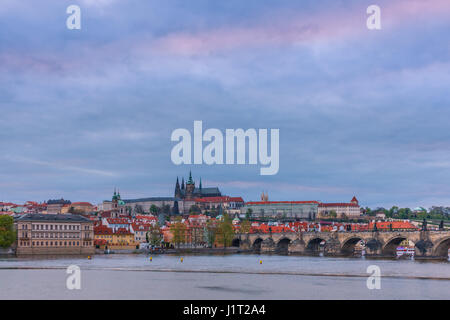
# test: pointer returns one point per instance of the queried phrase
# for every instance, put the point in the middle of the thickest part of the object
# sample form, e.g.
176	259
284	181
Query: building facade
109	238
282	209
231	205
54	234
56	206
340	210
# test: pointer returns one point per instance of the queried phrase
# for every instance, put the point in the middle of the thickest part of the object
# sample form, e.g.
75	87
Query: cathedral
190	191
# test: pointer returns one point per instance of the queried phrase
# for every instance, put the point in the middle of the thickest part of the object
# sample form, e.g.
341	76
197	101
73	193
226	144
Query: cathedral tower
190	186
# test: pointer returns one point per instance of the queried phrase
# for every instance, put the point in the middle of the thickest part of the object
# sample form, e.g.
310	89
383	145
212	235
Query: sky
360	112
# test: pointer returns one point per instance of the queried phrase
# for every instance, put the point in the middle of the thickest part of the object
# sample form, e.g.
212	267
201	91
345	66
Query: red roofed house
115	238
84	207
395	225
117	223
140	231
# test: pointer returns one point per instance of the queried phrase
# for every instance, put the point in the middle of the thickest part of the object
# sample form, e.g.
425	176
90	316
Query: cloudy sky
360	112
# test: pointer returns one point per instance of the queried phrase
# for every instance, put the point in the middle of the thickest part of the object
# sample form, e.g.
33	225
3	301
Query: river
231	276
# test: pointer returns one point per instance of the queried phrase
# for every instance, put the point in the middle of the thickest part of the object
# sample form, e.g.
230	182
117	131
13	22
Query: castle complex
184	197
190	192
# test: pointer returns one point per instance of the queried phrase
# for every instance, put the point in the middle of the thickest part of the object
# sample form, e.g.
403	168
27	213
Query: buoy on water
260	261
181	259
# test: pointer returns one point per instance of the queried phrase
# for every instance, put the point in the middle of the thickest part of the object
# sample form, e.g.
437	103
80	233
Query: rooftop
280	202
53	217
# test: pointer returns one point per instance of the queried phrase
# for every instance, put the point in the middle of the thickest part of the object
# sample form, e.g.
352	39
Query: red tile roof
283	202
341	204
118	221
219	199
81	204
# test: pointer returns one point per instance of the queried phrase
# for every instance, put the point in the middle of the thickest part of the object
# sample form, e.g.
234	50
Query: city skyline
360	112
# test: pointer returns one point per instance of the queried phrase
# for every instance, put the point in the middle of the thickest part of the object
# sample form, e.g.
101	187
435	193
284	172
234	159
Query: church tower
115	204
177	189
190	186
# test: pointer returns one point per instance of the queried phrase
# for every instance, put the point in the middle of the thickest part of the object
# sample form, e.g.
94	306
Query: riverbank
205	251
221	276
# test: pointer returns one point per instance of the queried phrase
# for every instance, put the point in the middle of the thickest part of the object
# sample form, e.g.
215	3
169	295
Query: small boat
405	251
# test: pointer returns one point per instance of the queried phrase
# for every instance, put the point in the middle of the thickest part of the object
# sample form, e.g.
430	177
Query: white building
350	209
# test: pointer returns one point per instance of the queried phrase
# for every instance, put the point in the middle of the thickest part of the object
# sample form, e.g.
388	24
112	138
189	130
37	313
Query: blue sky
360	112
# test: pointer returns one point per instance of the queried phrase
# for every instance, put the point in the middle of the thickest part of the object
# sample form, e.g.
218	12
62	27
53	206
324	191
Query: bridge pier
297	246
424	247
268	246
245	245
333	247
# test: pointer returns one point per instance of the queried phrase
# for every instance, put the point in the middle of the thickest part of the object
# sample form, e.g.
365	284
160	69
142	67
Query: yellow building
121	238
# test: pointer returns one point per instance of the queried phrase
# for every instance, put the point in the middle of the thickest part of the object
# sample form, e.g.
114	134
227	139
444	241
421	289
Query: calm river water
235	276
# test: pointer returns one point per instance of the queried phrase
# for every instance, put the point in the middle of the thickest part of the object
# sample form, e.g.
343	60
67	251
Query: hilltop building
56	206
190	192
345	209
282	209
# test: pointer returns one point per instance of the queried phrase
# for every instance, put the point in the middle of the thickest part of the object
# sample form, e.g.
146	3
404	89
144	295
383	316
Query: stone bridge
378	243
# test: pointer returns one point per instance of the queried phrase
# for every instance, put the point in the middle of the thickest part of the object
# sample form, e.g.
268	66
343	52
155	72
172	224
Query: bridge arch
236	242
257	244
442	246
315	245
349	244
390	246
283	245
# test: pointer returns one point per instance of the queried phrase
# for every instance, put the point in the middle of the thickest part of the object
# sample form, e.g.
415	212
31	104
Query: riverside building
54	234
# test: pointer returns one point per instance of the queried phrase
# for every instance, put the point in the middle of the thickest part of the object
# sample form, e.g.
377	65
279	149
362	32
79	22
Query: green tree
369	211
154	209
248	214
7	231
194	209
392	212
333	214
178	231
245	226
154	235
166	209
210	232
138	209
225	232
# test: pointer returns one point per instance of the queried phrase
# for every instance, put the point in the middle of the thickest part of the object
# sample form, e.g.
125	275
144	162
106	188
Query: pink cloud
299	29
